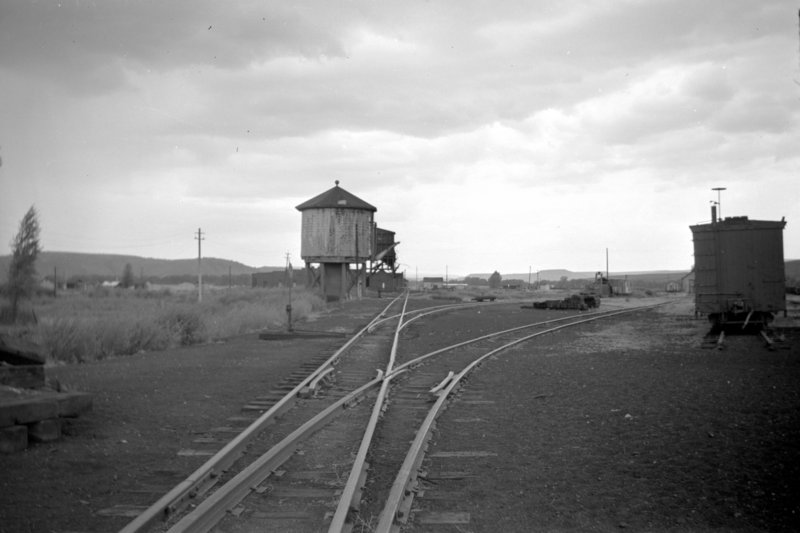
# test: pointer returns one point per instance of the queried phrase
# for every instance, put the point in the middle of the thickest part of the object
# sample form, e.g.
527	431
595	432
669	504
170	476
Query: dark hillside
793	273
71	265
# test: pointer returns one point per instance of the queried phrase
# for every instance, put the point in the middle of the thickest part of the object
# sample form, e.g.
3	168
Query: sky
513	136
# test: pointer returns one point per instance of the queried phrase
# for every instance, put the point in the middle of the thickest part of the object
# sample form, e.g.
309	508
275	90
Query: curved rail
418	360
425	311
401	490
206	475
208	513
359	468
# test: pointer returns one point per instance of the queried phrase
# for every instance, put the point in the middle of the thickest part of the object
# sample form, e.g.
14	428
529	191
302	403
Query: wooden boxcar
739	270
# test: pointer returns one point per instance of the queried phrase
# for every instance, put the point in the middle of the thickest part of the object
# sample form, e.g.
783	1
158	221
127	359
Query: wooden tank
337	231
336	228
739	269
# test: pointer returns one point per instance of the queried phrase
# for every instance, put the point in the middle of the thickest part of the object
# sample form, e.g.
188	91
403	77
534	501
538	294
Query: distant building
673	286
432	283
620	286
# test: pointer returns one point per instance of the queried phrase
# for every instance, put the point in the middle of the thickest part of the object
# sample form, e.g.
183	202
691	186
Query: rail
208	512
205	476
398	502
358	471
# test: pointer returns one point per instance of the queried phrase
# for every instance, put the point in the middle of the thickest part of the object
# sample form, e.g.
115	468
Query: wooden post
343	291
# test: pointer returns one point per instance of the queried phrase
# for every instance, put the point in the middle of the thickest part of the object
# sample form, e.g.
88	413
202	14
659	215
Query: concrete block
13	439
26	411
45	430
72	404
23	376
19	352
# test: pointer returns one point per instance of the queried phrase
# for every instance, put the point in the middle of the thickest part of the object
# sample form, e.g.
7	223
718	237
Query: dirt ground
631	425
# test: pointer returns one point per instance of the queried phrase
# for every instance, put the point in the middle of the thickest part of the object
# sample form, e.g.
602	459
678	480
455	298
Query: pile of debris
30	410
580	302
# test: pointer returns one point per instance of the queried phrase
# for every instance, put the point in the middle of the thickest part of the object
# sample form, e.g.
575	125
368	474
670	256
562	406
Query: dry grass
77	327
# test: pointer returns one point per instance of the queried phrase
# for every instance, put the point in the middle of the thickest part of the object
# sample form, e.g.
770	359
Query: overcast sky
490	135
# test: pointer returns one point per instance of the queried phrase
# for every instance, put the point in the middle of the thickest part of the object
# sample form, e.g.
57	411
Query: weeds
75	328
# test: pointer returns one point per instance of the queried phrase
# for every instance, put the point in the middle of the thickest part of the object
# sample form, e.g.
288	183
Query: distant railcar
739	270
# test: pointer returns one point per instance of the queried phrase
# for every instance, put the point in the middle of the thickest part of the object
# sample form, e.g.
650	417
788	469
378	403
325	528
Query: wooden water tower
337	232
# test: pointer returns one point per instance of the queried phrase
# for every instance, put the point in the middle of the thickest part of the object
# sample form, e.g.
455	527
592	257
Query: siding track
321	457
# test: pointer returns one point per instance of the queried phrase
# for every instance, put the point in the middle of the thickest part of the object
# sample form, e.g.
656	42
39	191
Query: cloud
508	130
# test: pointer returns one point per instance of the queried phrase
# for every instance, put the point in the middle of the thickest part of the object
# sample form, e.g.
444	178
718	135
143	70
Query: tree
475	281
24	250
127	277
495	280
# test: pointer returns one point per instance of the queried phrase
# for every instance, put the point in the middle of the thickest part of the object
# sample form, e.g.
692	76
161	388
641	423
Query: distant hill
557	274
793	270
658	277
554	274
72	265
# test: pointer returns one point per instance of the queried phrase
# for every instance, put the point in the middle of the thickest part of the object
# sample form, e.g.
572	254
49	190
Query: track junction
350	435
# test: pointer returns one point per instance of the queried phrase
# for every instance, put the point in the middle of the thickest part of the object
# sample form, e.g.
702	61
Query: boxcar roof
739	223
336	198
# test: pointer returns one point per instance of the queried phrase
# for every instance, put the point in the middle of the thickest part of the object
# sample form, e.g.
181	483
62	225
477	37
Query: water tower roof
336	198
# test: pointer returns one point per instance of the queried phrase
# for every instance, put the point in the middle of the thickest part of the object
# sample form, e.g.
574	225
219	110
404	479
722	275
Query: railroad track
346	453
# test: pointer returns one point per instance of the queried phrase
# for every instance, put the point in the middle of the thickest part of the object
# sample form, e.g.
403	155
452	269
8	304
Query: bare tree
22	270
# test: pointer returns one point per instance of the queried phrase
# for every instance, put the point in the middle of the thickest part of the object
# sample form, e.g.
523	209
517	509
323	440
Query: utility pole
290	282
200	239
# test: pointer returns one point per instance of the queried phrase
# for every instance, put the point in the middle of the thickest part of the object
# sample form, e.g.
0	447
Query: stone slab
72	404
45	430
19	352
13	439
27	411
42	406
22	376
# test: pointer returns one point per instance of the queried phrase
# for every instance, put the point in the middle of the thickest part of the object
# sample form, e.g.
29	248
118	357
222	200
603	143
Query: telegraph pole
200	239
290	281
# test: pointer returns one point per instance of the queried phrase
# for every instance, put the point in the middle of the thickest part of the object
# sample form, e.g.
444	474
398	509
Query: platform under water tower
337	239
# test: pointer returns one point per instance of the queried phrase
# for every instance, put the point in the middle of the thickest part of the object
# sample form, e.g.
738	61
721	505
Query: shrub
68	340
184	325
103	322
